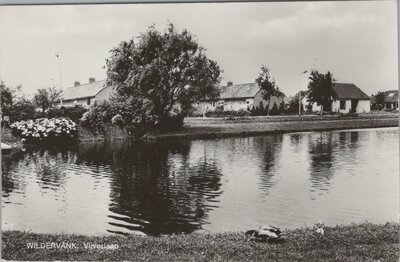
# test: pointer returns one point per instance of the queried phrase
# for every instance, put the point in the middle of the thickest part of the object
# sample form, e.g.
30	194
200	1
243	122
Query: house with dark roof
237	97
387	100
346	98
86	94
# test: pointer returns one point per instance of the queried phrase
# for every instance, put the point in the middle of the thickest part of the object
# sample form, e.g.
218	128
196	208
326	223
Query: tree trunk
269	101
322	109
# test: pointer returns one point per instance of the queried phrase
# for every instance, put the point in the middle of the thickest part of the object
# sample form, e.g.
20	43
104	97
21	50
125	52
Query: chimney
229	83
92	80
76	83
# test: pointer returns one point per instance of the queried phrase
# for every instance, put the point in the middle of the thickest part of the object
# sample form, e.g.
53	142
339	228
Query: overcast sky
356	41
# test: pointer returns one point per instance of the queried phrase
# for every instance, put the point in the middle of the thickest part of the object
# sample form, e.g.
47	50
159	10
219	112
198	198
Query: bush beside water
127	114
44	129
74	113
24	110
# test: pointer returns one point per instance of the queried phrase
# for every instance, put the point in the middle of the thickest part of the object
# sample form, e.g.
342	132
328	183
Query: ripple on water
288	180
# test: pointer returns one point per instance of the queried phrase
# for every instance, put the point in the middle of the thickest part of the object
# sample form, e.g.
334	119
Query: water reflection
295	140
47	165
158	190
321	154
154	188
269	149
161	188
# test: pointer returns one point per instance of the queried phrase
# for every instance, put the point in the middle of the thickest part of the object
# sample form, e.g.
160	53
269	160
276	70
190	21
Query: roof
348	91
390	96
248	90
83	91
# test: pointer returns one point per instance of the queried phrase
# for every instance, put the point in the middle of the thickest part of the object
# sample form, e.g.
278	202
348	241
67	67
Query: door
354	103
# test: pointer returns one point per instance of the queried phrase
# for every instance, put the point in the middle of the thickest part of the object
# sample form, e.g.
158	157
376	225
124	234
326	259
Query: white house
347	98
236	97
86	94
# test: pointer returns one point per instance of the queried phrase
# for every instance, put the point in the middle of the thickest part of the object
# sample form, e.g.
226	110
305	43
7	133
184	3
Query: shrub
44	129
117	120
274	110
22	110
74	113
293	107
281	109
243	112
117	112
130	113
219	109
98	115
195	114
228	113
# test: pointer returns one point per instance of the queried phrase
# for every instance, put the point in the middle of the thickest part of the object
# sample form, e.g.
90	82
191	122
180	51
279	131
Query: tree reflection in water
269	149
154	187
124	187
8	179
47	163
321	154
295	141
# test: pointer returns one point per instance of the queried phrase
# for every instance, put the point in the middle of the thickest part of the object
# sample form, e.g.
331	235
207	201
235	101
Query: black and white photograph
207	131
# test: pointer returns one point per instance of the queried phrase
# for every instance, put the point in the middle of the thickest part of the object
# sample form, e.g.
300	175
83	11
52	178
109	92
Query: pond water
286	180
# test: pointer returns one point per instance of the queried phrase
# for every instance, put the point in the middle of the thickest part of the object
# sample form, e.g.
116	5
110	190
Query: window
342	105
88	102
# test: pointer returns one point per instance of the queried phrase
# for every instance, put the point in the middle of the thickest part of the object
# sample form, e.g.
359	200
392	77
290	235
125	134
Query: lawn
358	242
214	128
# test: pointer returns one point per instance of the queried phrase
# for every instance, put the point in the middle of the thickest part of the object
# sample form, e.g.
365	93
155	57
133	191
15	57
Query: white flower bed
44	128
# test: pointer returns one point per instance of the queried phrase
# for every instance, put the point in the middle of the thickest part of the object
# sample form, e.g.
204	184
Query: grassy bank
361	242
215	128
203	128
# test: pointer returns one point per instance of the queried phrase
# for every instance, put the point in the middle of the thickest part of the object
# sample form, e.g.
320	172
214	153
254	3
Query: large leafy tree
46	98
161	74
320	89
268	86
